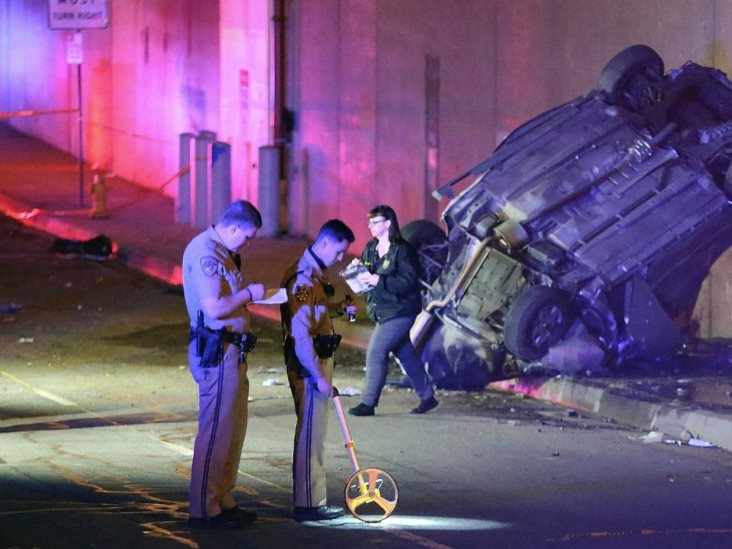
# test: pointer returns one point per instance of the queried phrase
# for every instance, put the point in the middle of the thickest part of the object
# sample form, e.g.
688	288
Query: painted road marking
40	392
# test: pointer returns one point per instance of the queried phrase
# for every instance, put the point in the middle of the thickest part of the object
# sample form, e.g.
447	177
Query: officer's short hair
241	212
336	230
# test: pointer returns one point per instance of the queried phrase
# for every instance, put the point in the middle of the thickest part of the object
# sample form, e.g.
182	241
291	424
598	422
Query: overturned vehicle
584	239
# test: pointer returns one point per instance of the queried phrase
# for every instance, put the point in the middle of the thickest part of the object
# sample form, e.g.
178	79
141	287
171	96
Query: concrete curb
672	420
158	268
33	217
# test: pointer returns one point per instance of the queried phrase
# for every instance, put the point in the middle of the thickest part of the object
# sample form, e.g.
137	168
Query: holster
210	343
326	344
246	341
210	346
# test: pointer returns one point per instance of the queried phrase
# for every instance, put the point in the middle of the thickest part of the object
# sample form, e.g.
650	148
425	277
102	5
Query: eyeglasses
373	222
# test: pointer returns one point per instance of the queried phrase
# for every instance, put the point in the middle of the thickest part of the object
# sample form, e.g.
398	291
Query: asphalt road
97	420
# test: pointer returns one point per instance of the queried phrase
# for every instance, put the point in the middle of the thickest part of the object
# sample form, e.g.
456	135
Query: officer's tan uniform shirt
209	270
309	310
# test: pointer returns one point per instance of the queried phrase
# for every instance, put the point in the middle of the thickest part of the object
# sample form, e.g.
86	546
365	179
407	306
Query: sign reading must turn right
78	14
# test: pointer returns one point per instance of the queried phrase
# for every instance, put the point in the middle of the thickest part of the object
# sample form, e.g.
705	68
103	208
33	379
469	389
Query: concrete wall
245	88
33	66
163	67
361	96
550	52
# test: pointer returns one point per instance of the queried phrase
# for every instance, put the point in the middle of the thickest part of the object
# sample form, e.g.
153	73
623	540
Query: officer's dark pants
223	393
311	406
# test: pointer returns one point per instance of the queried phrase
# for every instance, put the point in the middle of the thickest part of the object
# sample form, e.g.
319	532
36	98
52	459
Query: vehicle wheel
420	232
630	78
455	362
727	186
538	319
430	242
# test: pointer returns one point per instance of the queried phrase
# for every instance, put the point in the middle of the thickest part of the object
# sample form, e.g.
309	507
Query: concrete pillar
269	189
201	178
220	179
183	200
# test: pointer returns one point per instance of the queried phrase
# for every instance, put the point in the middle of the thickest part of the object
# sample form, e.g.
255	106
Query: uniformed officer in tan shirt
216	299
306	316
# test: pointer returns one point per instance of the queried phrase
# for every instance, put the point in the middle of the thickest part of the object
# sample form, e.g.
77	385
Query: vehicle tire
538	319
420	232
727	186
454	362
430	242
630	78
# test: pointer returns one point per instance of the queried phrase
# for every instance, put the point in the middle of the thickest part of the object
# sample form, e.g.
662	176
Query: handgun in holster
209	343
246	345
326	344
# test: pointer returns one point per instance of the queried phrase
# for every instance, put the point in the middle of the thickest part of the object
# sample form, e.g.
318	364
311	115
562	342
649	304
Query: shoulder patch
303	294
210	265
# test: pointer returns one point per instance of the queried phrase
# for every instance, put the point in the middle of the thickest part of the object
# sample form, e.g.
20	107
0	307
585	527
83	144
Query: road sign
75	49
78	14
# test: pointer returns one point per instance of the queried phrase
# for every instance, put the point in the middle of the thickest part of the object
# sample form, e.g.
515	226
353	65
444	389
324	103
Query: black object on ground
99	247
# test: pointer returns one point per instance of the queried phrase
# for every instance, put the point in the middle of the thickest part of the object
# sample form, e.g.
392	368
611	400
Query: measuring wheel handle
371	493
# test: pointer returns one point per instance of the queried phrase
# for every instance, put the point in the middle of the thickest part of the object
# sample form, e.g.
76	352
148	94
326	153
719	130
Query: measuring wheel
371	493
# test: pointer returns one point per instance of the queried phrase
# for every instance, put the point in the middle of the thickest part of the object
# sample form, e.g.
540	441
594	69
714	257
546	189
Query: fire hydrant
99	195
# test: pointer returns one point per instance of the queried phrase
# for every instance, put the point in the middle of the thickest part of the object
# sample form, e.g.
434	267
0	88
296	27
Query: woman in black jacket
392	304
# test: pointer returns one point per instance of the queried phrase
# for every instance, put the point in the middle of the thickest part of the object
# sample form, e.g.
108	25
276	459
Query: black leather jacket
397	293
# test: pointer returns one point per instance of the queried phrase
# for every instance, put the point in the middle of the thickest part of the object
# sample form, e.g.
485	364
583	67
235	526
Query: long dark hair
387	212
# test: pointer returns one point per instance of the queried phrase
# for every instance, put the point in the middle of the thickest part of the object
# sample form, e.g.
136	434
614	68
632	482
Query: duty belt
228	337
210	343
233	337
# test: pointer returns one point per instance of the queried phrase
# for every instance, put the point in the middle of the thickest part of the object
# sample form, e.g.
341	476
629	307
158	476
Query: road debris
272	382
9	308
99	248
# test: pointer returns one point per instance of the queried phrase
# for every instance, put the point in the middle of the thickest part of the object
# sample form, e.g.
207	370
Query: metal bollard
201	179
183	199
269	181
220	179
